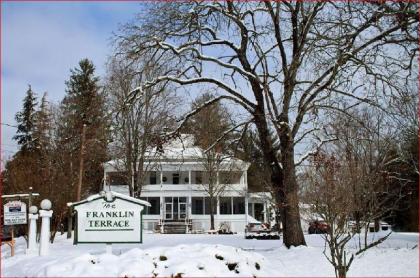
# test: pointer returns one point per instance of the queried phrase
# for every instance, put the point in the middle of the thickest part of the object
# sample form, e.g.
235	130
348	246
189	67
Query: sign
101	219
15	213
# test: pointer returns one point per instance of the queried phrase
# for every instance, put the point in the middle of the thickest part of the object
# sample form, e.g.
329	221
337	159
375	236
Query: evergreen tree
42	128
26	121
84	105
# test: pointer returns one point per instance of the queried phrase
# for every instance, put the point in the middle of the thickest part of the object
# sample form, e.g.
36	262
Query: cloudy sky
42	41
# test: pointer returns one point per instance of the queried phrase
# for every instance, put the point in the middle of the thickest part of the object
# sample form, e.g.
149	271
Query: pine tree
84	105
42	128
26	121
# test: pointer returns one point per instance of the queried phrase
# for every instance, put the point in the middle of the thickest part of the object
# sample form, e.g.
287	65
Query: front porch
191	214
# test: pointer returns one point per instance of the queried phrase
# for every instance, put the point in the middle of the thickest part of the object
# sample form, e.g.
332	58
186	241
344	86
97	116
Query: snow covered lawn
209	255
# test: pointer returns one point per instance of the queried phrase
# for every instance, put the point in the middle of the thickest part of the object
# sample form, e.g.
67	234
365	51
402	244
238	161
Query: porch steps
175	228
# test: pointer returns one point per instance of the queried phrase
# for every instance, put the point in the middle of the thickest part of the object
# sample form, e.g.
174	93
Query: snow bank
209	256
197	260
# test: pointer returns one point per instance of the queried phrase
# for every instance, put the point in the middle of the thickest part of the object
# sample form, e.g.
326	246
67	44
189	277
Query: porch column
189	197
265	211
246	208
217	208
162	206
104	180
216	220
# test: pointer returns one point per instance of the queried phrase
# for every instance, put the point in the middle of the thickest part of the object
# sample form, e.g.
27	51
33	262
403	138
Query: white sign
102	221
15	213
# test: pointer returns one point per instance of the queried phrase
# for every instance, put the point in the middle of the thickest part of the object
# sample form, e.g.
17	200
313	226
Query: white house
175	186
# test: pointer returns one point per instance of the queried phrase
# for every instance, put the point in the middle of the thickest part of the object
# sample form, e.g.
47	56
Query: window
197	205
198	177
153	177
233	177
175	178
155	208
225	205
155	205
238	205
207	205
259	211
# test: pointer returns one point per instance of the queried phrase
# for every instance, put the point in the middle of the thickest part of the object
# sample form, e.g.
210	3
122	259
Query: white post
33	216
109	248
45	213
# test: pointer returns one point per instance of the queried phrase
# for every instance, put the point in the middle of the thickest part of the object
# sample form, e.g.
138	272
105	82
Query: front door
169	211
175	208
182	211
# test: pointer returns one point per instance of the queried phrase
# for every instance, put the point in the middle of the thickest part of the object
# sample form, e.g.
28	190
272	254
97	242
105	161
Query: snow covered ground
209	255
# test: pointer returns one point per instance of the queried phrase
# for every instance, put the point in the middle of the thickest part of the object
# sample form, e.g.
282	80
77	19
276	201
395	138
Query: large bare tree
138	125
283	63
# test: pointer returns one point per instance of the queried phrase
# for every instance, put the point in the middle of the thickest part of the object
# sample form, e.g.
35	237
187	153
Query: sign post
108	217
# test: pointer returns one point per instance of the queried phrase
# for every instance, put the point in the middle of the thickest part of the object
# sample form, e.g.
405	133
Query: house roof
180	150
109	195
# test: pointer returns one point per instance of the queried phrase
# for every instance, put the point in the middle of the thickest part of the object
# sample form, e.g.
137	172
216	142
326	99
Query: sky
42	41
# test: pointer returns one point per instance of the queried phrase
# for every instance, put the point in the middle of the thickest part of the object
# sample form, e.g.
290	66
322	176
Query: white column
162	205
265	212
45	213
246	208
189	197
104	180
33	216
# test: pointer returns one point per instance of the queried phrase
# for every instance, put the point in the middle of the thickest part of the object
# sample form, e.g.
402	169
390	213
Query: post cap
46	204
33	209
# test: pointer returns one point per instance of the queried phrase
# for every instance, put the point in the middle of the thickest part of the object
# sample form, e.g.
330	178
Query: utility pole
82	151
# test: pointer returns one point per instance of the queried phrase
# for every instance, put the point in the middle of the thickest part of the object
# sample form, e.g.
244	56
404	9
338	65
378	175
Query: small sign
105	219
15	213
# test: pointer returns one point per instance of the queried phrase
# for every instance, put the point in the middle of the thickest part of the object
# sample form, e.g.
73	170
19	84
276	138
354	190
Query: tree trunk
342	272
211	213
69	222
292	229
377	225
81	165
284	185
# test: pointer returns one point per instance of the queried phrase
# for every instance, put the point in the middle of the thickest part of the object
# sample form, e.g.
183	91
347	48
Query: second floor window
152	177
198	177
175	178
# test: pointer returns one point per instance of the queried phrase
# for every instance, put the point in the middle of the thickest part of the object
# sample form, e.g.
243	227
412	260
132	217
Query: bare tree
137	126
208	126
283	63
348	185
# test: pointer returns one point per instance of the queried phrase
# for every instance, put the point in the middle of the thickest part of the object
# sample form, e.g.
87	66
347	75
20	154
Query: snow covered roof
109	195
181	149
